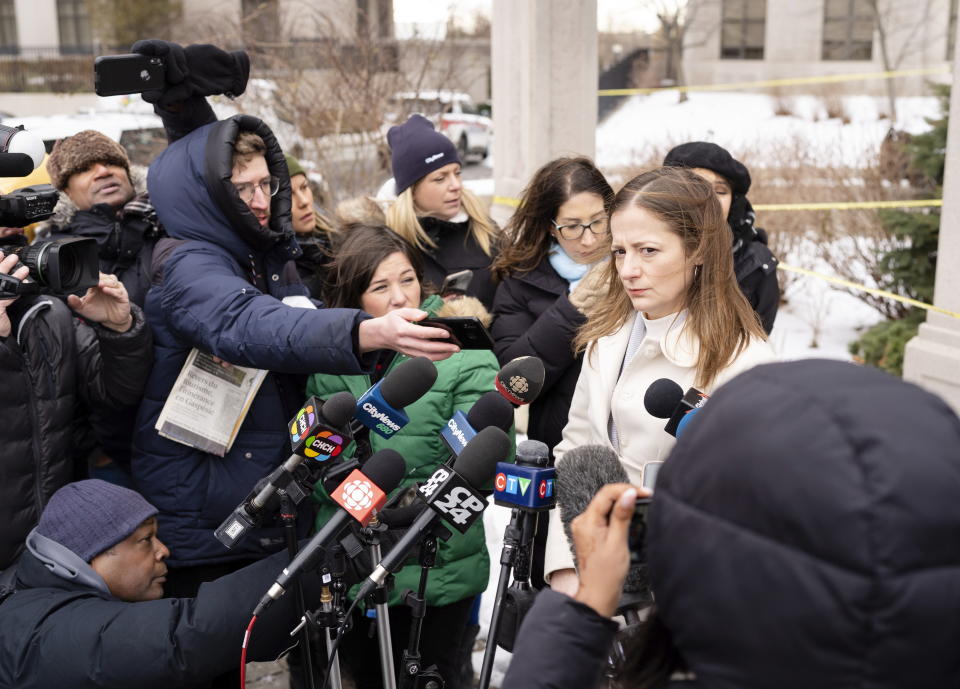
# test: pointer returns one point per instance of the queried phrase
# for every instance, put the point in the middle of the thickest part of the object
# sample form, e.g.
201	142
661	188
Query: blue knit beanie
416	150
88	517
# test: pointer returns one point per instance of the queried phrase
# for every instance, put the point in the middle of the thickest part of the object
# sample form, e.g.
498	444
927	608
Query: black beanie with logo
417	149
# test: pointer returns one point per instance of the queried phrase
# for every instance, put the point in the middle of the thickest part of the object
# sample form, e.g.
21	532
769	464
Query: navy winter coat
220	291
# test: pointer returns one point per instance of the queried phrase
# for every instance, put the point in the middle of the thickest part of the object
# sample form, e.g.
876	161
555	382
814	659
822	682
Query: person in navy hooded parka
218	282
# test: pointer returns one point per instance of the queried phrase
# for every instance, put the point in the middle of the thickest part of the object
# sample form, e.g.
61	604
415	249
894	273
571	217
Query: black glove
197	70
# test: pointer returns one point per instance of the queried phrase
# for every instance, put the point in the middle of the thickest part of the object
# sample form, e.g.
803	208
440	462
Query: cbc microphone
451	494
381	407
664	399
360	497
521	380
490	409
318	432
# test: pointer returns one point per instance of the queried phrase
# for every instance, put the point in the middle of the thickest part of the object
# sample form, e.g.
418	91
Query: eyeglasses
575	231
269	187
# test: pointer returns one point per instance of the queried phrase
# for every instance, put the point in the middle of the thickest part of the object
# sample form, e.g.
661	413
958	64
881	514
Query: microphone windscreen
533	453
477	462
490	409
385	469
408	382
662	397
581	473
339	409
401	517
521	379
15	165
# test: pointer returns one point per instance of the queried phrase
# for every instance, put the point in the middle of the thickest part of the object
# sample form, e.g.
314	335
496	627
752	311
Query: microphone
521	380
450	494
528	484
21	152
360	496
664	399
381	407
490	409
316	432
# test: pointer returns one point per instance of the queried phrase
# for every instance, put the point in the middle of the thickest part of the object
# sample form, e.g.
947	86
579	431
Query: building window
952	30
74	22
744	22
8	28
847	30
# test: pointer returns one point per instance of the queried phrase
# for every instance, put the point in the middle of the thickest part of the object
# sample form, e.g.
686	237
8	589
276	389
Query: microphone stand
516	546
413	674
380	595
288	514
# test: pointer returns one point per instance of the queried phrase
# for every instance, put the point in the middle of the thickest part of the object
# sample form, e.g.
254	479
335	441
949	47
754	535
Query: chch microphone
490	409
381	407
451	494
521	380
318	432
529	483
664	399
360	497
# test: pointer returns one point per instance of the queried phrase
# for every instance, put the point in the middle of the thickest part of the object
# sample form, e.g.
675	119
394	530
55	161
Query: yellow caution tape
793	81
870	290
506	201
847	205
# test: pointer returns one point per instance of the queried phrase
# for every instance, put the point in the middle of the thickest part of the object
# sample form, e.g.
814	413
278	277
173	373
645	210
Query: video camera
60	266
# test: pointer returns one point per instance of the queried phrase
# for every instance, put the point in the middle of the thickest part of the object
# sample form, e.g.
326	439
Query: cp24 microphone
528	484
664	399
451	494
521	380
490	409
317	432
381	407
360	496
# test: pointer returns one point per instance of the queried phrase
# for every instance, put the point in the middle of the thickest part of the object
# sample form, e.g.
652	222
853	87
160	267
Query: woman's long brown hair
527	237
718	314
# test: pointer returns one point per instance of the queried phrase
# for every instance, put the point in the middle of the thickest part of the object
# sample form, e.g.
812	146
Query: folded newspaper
208	403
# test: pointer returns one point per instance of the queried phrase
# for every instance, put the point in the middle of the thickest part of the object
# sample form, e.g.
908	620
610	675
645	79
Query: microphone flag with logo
528	484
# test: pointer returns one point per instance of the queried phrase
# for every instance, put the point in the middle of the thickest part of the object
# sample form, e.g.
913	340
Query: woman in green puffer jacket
377	271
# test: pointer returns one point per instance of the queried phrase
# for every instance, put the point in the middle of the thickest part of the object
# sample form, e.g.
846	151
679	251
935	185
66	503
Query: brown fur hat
78	152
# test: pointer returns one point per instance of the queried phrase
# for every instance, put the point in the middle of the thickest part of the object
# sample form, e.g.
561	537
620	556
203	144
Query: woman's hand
106	304
6	265
396	330
600	541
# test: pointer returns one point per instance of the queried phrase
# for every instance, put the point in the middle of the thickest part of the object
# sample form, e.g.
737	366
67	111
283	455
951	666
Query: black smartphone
637	535
456	282
116	75
467	332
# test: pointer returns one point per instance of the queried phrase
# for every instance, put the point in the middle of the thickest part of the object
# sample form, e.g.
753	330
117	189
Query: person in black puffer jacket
816	506
435	213
754	263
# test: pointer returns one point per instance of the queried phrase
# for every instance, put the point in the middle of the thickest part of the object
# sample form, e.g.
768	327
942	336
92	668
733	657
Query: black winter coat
59	633
534	317
50	364
753	262
457	250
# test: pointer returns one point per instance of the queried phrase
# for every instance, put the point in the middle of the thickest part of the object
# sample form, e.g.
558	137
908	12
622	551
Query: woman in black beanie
435	213
753	262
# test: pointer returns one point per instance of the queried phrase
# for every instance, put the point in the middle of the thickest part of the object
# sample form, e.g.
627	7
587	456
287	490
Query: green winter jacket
463	564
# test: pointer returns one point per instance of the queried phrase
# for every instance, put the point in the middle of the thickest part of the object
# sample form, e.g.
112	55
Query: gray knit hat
416	150
78	152
88	517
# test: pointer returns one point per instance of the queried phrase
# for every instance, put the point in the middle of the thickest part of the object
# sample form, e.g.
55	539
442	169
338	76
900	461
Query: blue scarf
566	267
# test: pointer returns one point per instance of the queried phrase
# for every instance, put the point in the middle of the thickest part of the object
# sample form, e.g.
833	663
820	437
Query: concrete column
37	25
932	358
544	88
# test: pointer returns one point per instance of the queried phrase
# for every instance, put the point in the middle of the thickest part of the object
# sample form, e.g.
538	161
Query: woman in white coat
672	309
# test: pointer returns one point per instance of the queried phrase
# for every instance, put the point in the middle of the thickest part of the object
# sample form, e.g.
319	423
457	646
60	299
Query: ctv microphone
528	484
317	432
521	380
664	399
360	497
490	409
451	494
381	407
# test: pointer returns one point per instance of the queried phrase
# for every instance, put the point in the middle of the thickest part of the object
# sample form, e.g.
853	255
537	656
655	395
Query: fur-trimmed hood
464	307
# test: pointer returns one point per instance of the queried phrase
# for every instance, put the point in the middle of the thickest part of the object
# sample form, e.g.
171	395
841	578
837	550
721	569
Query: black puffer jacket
754	263
534	317
49	364
805	531
457	250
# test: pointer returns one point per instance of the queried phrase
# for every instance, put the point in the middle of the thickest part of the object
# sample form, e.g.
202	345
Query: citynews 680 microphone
381	408
664	399
451	494
361	495
490	409
318	432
